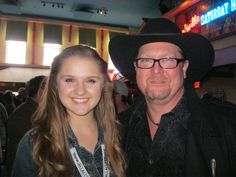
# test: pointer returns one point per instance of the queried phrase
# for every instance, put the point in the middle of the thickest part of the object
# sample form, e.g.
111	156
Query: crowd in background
16	110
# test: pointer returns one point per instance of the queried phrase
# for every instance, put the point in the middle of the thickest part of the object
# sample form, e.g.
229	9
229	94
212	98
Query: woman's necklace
157	124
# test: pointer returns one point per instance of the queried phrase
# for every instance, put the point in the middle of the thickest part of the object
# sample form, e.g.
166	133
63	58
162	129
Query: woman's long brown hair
51	147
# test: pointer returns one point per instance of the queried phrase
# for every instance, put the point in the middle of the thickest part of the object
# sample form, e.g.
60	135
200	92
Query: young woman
74	129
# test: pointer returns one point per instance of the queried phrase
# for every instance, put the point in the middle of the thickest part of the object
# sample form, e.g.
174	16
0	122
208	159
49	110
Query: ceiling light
102	11
53	4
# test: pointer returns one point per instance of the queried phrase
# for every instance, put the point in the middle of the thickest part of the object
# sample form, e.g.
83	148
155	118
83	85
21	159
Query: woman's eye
68	80
92	81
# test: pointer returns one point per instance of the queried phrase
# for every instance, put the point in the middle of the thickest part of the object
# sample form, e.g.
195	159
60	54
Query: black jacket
211	134
19	123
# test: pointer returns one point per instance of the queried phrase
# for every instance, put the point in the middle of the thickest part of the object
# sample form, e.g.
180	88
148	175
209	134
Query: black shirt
164	156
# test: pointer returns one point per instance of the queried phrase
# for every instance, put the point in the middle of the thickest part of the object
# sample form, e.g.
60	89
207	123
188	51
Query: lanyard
79	165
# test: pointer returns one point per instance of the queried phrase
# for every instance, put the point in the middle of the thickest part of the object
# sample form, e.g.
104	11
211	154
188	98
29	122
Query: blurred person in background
9	101
3	134
120	94
20	120
20	97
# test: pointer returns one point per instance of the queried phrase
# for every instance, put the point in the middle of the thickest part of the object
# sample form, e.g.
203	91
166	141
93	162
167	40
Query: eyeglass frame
178	60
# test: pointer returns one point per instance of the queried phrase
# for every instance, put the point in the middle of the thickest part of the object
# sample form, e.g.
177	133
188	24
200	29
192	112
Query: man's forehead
154	46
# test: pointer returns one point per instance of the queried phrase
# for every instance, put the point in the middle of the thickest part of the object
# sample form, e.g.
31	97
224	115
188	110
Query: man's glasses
165	63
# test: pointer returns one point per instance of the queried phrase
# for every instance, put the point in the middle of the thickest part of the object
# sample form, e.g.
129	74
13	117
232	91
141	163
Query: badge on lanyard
79	165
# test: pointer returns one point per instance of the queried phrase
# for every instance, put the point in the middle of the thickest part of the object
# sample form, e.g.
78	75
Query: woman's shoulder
28	138
24	164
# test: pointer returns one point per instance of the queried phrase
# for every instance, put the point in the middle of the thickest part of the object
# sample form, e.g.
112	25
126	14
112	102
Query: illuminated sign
194	21
213	19
197	84
218	12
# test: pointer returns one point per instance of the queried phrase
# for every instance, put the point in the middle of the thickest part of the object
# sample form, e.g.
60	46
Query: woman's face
80	85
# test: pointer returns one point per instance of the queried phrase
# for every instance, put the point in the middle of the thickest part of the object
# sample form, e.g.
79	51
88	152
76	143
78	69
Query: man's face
158	84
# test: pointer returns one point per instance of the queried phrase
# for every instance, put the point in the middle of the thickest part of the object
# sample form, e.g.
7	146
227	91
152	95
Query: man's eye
169	59
146	60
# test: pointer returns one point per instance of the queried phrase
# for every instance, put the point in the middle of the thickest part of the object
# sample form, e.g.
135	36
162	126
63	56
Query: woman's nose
80	88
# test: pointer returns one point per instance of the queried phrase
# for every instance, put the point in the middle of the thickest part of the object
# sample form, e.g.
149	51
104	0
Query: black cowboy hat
196	48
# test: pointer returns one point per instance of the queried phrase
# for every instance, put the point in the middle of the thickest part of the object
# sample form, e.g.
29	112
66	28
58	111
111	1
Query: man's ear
185	68
134	64
185	75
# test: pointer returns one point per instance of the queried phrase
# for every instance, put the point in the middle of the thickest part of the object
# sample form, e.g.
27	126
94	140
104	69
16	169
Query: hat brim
197	49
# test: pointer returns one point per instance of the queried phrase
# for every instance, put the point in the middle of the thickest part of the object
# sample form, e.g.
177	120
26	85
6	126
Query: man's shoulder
224	112
220	106
133	111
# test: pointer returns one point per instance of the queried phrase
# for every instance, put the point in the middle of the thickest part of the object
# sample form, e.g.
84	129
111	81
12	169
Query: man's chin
155	96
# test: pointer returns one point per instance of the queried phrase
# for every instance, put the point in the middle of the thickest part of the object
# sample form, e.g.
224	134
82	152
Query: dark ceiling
116	13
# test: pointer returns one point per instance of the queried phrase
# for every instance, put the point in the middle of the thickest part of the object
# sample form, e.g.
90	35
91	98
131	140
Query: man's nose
157	68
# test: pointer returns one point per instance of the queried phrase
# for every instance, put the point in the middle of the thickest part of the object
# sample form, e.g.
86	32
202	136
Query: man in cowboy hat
170	131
